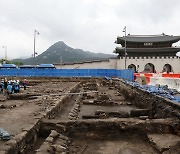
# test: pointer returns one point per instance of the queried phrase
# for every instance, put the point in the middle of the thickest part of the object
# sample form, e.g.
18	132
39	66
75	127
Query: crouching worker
25	84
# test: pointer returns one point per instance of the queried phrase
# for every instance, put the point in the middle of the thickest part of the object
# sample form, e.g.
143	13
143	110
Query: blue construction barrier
36	72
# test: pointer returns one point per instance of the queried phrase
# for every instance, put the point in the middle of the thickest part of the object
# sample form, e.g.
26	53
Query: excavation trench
99	116
25	134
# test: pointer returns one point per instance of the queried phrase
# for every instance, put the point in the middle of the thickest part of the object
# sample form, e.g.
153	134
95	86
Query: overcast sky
91	25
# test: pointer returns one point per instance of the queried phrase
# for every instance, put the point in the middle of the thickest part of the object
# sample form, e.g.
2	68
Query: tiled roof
91	61
167	49
148	38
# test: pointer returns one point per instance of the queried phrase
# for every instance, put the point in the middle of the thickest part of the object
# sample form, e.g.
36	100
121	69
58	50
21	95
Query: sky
91	25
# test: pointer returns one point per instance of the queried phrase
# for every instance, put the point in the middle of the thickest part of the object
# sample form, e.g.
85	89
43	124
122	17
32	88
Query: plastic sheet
157	90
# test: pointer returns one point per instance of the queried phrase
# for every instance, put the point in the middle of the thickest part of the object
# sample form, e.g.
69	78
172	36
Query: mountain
61	53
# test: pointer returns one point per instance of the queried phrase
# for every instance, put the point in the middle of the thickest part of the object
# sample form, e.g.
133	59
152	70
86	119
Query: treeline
17	63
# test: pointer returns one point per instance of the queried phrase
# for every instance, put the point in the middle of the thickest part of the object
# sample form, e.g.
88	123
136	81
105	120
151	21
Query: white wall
111	64
157	62
120	64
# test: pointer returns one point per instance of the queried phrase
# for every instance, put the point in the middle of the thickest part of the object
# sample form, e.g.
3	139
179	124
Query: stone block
164	142
54	134
59	148
61	136
49	139
139	112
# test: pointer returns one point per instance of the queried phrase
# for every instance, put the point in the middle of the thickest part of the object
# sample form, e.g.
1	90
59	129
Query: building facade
148	53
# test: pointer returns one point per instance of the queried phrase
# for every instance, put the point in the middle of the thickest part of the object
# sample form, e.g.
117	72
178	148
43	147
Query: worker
16	86
25	84
2	85
0	88
10	87
5	83
5	91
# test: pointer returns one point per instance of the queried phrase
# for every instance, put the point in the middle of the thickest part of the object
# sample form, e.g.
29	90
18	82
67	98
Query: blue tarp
157	90
8	66
35	72
46	66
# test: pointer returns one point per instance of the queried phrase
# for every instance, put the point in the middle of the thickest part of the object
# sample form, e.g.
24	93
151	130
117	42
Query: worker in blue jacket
9	88
16	87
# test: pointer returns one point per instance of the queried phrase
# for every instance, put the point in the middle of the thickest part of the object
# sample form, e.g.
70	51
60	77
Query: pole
6	53
34	55
34	47
5	50
125	48
125	53
61	61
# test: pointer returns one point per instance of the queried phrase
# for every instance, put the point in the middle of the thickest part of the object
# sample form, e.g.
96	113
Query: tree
17	63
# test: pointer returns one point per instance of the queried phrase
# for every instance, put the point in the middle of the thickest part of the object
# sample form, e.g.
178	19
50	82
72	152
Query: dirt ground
107	143
17	115
97	99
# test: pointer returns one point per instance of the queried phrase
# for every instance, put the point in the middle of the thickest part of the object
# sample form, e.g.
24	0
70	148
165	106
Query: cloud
87	24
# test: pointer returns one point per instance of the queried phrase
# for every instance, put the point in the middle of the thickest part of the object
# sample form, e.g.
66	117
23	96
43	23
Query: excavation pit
117	135
92	114
107	142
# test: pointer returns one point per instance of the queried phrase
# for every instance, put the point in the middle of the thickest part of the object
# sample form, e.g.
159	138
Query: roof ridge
150	35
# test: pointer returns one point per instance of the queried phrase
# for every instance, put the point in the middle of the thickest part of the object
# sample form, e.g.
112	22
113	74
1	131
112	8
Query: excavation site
88	116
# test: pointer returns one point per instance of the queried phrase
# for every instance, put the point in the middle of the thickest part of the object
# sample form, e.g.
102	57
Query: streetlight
5	48
35	53
125	53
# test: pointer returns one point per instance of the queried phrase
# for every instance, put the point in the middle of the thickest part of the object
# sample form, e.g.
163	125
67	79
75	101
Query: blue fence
125	74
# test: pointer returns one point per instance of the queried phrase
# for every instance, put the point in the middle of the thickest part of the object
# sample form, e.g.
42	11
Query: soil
19	112
26	113
116	143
